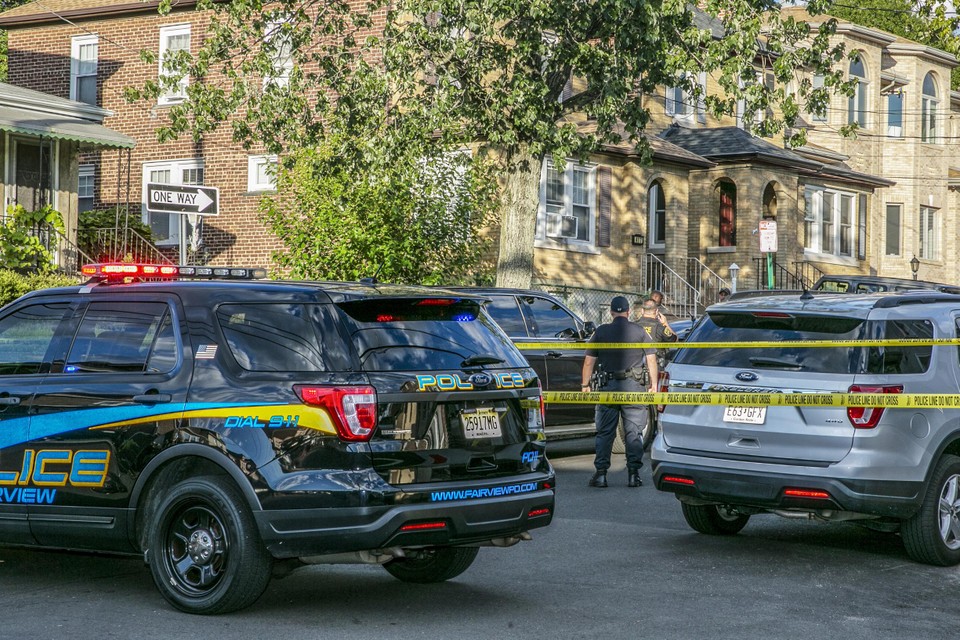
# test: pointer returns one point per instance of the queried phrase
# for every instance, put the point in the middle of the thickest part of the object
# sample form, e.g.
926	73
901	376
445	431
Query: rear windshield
749	327
422	334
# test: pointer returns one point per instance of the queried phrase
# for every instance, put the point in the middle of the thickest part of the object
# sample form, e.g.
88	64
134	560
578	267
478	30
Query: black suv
537	317
227	430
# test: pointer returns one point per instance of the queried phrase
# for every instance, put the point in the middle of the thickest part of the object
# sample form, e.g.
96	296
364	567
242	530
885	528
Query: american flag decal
206	352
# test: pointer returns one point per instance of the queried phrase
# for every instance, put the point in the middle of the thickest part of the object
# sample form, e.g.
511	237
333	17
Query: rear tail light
542	511
806	493
353	410
424	526
536	413
678	480
868	417
663	388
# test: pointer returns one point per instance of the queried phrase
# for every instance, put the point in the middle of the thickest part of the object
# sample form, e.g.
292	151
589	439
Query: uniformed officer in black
624	368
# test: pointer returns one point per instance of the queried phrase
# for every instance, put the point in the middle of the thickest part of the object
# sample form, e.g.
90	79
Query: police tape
764	344
885	400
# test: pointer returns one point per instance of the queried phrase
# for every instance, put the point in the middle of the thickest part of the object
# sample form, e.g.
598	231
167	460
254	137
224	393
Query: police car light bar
123	271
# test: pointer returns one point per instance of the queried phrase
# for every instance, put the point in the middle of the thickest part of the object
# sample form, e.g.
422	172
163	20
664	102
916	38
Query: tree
488	73
934	24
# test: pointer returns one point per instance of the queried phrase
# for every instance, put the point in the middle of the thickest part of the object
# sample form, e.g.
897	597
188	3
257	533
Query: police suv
230	429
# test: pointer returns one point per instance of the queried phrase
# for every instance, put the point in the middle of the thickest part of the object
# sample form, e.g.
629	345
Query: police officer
624	368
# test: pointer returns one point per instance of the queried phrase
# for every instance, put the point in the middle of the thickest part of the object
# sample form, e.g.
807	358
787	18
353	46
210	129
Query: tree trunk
518	221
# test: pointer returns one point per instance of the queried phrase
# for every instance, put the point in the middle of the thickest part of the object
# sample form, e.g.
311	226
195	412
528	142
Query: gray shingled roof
729	144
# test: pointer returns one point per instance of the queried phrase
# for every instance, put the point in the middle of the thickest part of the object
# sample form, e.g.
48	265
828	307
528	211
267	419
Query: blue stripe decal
21	430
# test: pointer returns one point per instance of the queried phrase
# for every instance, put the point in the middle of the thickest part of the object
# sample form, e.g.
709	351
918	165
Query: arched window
657	215
728	214
857	106
929	127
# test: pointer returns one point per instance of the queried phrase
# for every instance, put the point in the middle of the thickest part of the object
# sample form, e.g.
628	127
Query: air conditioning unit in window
561	226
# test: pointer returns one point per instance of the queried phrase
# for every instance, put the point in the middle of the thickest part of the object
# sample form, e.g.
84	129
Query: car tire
204	550
713	519
433	565
932	535
651	428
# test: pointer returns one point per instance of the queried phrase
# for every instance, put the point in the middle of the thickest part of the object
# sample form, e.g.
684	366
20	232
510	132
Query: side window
116	337
281	337
25	337
163	355
506	313
901	359
547	317
957	321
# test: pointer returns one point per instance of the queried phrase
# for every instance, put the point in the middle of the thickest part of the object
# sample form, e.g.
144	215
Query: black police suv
230	429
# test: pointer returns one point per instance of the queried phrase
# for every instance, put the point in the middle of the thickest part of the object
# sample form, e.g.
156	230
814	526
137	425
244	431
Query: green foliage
932	22
13	284
348	213
25	236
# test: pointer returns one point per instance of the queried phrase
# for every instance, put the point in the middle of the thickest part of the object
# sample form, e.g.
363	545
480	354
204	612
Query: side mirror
588	329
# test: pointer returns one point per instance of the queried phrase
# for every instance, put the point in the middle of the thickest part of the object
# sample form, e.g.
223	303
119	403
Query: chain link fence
593	305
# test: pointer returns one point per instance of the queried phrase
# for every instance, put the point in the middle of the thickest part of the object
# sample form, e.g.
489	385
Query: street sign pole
768	246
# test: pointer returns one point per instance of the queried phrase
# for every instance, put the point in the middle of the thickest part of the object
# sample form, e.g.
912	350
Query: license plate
480	423
745	415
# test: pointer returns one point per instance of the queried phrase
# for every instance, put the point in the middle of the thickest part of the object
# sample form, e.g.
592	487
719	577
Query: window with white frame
261	173
929	233
85	184
84	51
682	102
166	226
831	222
568	203
895	114
929	126
279	46
173	40
656	215
857	103
892	226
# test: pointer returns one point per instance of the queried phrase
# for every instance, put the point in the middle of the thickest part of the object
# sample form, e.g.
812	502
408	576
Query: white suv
893	469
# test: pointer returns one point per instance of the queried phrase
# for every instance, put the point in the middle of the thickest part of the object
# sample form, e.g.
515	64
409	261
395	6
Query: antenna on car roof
806	295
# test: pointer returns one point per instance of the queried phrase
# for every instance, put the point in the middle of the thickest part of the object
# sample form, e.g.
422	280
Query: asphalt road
616	563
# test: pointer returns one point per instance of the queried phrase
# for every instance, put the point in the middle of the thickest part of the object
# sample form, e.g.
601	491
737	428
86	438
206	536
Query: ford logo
480	379
747	376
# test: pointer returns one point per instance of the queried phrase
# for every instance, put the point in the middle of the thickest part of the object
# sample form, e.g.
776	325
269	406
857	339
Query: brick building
89	50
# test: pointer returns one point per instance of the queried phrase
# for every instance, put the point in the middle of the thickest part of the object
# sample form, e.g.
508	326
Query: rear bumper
291	533
762	490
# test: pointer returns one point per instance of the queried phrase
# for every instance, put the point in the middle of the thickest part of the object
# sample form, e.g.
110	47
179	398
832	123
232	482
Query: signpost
768	245
185	198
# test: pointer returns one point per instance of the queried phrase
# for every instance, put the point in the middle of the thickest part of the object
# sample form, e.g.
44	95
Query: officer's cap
619	304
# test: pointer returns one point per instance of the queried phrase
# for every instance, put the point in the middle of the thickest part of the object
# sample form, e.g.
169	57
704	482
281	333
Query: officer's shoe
599	479
633	478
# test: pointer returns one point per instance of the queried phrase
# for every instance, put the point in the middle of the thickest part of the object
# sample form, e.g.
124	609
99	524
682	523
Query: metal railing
680	298
783	278
125	244
808	272
706	281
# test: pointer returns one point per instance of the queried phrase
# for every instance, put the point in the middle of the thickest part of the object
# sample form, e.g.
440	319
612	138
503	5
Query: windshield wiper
759	361
481	359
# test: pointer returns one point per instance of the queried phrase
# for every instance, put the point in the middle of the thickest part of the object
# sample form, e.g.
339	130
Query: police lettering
59	468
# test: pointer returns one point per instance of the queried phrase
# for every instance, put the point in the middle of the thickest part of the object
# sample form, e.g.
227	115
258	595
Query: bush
13	284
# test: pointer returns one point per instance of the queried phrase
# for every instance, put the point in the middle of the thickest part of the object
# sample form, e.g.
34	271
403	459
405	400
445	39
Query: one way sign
175	198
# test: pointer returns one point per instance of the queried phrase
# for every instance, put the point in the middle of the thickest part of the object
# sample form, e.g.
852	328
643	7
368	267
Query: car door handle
10	400
554	354
152	398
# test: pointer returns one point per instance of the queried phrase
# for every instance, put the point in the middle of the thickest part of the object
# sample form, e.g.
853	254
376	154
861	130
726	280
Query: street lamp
734	270
914	266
